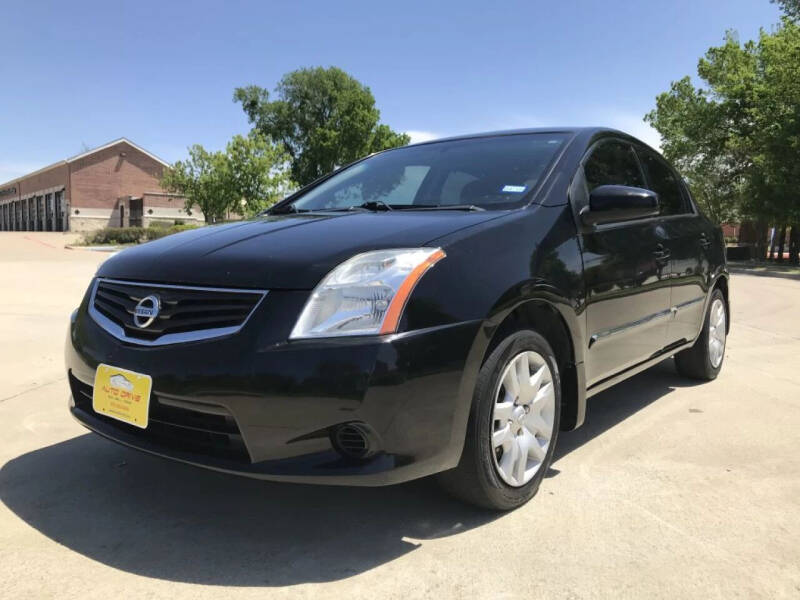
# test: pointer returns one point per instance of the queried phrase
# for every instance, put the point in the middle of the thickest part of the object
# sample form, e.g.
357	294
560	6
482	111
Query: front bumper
256	405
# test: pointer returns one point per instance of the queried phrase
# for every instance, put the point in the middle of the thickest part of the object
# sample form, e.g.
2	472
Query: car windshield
490	173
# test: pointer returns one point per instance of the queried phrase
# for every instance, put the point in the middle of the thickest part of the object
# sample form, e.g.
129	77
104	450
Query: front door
626	269
135	210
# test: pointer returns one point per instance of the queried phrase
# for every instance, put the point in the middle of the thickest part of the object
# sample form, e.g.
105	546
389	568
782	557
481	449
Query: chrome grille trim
170	338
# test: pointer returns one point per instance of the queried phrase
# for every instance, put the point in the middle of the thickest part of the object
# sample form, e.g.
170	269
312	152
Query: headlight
366	294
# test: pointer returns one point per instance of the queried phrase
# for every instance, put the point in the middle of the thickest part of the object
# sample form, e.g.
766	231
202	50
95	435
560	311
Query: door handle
704	241
661	253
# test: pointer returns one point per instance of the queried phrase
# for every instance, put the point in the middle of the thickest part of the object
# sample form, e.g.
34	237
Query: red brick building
115	185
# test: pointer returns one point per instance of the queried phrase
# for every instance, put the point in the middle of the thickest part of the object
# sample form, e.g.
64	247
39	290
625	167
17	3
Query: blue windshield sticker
514	189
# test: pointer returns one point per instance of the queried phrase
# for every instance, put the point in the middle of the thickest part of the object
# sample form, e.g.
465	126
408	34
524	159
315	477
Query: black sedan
443	308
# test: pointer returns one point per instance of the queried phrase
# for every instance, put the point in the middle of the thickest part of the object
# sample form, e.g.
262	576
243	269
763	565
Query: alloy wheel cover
522	418
716	333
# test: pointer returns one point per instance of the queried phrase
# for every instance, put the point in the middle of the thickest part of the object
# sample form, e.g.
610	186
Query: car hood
280	251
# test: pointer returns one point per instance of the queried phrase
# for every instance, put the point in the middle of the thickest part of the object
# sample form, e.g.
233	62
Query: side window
613	163
663	181
688	199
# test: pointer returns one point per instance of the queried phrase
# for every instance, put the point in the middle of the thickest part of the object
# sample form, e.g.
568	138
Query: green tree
323	117
204	181
791	8
258	171
737	138
694	138
248	177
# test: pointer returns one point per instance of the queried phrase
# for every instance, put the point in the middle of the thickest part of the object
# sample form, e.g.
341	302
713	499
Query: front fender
493	270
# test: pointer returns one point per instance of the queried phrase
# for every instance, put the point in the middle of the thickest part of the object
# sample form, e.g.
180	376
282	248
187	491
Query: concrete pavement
671	489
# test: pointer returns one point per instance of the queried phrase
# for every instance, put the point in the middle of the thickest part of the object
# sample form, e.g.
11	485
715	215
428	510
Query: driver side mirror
613	203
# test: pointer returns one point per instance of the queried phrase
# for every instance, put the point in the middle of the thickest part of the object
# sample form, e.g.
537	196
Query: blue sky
79	74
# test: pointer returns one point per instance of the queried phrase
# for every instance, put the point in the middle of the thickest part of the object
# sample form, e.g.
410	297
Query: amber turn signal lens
395	310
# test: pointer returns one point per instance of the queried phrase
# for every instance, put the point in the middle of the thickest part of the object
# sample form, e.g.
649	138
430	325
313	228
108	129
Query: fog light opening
352	440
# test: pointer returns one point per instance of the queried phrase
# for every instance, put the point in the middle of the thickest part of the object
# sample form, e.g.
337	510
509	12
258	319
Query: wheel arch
542	316
722	285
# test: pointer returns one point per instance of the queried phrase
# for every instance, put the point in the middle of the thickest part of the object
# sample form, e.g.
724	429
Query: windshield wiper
378	206
467	207
285	210
292	209
373	205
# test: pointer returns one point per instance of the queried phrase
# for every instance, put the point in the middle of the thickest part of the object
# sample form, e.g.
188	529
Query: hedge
153	233
131	235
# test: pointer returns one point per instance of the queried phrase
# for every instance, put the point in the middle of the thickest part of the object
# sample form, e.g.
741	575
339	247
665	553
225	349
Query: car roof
587	134
574	130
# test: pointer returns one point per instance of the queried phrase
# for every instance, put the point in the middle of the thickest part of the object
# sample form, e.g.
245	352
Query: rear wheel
704	360
513	425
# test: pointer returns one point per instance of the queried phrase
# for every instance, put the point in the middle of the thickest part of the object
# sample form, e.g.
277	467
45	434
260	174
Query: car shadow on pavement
614	405
160	519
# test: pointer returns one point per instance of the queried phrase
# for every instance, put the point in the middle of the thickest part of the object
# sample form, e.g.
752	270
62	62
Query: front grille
185	313
202	429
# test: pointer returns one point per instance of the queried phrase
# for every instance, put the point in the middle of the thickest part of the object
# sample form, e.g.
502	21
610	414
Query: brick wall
163	200
730	230
168	208
100	184
100	178
53	177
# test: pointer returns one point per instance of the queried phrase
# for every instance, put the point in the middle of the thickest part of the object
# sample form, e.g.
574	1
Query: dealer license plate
121	394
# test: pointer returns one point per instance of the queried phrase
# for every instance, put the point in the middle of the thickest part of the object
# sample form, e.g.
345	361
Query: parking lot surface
671	489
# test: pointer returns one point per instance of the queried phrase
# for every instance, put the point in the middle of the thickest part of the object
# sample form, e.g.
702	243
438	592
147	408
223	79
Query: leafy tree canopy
201	179
791	8
323	117
737	138
258	171
250	175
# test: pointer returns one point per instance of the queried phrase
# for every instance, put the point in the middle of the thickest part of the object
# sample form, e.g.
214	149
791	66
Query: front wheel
512	427
704	360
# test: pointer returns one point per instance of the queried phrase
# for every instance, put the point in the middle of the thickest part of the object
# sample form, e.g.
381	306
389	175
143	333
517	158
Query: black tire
695	362
475	480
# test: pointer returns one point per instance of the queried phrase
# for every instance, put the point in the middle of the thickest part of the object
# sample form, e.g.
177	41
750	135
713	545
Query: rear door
687	241
626	269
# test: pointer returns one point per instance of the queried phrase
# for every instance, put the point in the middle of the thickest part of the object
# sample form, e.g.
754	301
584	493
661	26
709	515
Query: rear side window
663	181
613	163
